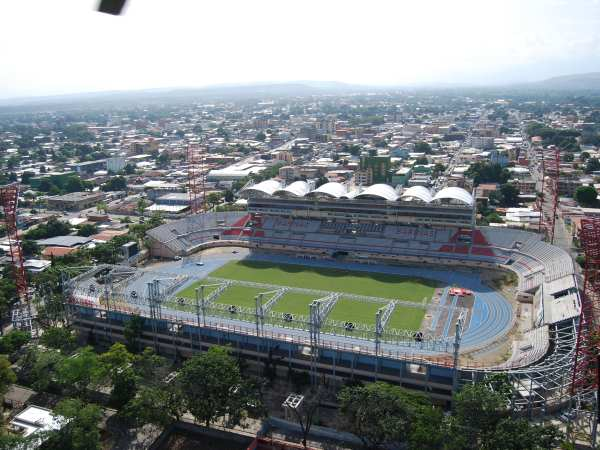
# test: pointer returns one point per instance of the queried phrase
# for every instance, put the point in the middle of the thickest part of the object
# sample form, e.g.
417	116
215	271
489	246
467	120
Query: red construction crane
196	188
547	203
9	198
586	370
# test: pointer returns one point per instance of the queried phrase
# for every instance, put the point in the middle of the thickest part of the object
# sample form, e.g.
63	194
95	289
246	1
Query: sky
50	47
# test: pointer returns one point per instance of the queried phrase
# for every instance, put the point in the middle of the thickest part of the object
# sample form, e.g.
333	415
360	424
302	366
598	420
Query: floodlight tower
9	198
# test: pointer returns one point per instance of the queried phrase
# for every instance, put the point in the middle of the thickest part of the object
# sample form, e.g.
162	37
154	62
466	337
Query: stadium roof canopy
455	193
382	191
296	189
332	189
267	187
351	194
419	192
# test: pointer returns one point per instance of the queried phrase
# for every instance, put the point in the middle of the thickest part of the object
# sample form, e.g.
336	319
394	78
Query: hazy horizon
66	47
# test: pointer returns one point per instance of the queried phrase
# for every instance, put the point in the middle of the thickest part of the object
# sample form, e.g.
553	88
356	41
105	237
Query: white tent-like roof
419	192
267	187
296	189
383	191
455	193
331	189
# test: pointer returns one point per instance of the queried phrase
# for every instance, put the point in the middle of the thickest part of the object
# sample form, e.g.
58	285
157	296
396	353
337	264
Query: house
36	265
35	419
75	201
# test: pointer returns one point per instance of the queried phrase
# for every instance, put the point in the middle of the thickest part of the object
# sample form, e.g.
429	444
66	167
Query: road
562	235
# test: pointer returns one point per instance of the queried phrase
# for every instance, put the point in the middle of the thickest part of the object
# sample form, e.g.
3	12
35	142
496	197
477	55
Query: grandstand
379	228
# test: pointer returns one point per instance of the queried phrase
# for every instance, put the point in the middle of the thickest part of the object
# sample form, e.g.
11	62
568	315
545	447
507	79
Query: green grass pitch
240	296
294	303
336	280
348	310
404	318
190	291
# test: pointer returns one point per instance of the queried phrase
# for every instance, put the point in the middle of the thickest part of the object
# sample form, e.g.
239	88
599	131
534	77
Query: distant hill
222	91
576	82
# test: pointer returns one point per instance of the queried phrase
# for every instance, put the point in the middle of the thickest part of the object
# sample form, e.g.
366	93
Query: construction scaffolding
585	382
9	198
547	201
196	176
22	315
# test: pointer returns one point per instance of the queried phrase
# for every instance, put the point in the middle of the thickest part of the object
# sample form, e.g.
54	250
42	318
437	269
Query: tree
124	385
60	338
132	332
229	197
13	341
150	367
213	198
129	169
321	181
422	160
77	372
163	160
494	217
383	414
158	405
29	247
586	196
483	172
39	368
7	376
141	205
519	434
53	227
223	391
260	136
114	360
422	147
87	230
481	420
117	183
101	207
509	194
79	430
438	169
26	177
74	184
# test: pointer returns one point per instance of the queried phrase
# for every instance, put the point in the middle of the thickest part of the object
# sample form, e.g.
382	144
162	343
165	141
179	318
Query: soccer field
359	283
333	280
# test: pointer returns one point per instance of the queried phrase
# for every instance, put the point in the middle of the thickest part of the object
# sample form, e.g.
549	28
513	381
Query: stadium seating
531	348
523	252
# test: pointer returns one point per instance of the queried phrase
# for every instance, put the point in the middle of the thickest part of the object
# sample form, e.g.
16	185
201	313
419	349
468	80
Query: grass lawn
239	296
190	291
348	310
359	283
294	303
404	318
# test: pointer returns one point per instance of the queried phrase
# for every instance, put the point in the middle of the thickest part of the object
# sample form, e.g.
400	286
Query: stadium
367	284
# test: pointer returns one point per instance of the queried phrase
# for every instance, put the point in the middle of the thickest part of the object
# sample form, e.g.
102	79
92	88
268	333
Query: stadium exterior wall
435	378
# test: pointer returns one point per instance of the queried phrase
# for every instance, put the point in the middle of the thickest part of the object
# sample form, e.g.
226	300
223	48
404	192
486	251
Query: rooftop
64	241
